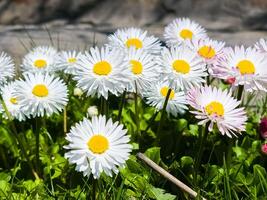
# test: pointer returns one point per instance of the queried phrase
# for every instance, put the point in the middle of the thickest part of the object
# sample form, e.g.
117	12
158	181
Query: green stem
13	127
3	155
106	107
240	92
163	112
101	105
151	120
136	108
203	137
94	195
123	99
65	117
37	143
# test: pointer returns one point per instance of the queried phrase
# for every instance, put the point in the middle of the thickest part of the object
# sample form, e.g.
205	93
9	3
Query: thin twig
167	175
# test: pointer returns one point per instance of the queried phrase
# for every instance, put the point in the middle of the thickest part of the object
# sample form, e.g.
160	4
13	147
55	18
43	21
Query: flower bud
92	111
77	92
263	128
264	149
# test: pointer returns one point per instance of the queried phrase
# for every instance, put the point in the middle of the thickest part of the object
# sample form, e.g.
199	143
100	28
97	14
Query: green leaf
160	194
154	154
181	124
186	161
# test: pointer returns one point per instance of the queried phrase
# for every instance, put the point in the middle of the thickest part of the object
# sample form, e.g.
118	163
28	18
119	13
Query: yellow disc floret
98	144
40	90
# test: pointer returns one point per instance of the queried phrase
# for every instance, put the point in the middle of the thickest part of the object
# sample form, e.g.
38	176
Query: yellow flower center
135	42
137	67
181	66
206	52
246	67
40	63
186	34
40	90
164	91
102	68
215	108
72	60
98	144
13	100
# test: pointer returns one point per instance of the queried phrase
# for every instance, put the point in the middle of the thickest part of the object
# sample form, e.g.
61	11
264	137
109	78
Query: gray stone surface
75	24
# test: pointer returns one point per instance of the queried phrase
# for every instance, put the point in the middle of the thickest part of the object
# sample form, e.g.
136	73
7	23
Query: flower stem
240	92
123	99
136	109
94	195
14	129
151	120
37	143
202	137
163	112
65	117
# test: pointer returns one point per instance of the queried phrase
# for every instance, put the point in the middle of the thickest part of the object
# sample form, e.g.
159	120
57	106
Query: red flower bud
230	80
264	149
263	127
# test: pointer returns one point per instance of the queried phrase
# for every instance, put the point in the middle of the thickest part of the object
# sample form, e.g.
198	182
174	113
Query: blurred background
76	24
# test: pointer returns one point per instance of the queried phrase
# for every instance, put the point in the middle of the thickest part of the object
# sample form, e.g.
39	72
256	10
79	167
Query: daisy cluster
135	62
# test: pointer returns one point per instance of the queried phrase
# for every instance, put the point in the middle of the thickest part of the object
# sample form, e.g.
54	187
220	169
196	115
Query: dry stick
167	175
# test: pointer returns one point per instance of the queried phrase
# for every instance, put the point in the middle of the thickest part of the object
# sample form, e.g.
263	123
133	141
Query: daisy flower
261	46
7	67
40	59
11	101
156	96
101	71
210	50
41	94
67	61
134	37
183	67
217	107
182	29
142	69
246	66
98	146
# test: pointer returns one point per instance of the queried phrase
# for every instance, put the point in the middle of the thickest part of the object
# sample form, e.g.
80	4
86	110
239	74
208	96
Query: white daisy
143	69
11	102
156	96
216	106
261	45
101	71
182	66
134	37
211	51
67	61
182	29
246	66
7	68
41	94
40	59
98	146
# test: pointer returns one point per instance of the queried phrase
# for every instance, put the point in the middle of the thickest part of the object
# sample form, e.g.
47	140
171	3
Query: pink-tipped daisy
246	65
218	107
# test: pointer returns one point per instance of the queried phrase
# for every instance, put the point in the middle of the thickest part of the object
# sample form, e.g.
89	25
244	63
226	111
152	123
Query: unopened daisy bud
77	92
264	149
92	111
263	128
